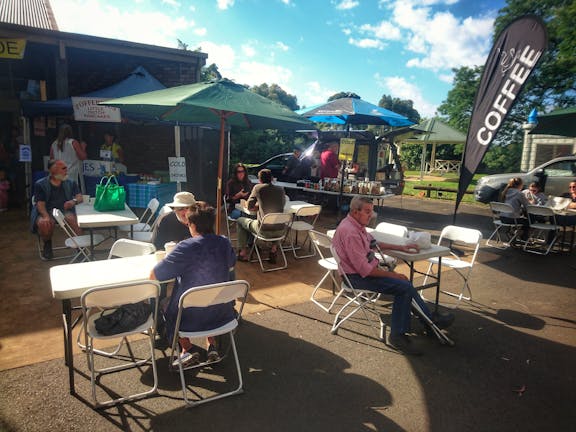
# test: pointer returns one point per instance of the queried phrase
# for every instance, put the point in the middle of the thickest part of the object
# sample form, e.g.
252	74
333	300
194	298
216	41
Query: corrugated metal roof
30	13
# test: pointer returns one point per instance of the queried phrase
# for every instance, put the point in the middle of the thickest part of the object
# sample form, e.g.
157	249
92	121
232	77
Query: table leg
68	354
438	283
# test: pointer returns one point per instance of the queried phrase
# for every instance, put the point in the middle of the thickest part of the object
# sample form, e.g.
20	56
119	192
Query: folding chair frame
320	241
298	225
271	219
79	242
495	240
114	296
540	229
203	296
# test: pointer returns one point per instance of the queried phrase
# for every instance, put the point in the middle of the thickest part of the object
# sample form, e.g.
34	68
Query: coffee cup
86	199
169	247
160	255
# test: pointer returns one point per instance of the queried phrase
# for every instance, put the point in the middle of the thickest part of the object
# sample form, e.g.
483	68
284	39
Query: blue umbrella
348	111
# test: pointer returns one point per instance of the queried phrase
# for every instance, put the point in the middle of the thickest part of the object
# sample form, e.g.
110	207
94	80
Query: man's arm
80	149
253	199
41	206
408	248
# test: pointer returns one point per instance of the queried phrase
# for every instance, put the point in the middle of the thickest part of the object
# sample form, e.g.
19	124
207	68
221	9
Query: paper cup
160	255
86	199
169	247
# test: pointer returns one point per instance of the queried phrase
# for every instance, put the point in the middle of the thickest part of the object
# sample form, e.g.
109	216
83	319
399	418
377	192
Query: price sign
346	151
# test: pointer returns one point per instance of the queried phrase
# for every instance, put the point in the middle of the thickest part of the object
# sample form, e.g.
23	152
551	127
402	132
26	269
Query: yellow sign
346	149
362	155
12	48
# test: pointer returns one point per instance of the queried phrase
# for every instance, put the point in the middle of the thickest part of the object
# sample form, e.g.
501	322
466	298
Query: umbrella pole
220	170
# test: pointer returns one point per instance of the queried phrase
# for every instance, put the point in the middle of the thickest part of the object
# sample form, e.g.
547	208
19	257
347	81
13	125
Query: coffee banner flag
513	58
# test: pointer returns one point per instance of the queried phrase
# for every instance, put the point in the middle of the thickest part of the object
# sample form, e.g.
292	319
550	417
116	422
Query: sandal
187	359
212	354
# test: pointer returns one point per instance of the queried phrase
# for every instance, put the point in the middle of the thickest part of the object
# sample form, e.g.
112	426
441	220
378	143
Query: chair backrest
123	248
108	296
539	213
308	211
57	214
394	229
214	294
150	211
320	241
460	234
276	218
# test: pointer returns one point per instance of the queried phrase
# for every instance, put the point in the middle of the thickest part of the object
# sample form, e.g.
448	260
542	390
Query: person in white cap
174	226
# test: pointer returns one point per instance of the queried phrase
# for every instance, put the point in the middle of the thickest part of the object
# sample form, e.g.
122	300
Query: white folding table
90	219
70	281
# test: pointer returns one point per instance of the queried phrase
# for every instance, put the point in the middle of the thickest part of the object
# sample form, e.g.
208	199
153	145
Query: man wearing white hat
174	226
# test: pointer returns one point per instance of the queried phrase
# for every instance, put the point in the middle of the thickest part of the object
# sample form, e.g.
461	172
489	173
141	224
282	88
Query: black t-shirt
170	229
56	197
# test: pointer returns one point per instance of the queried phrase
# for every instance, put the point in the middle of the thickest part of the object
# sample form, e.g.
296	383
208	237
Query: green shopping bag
109	195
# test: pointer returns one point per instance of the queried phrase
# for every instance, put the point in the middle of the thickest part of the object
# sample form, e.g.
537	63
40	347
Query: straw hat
183	199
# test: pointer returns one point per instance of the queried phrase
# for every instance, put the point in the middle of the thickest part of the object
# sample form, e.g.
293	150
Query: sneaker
47	253
442	320
402	344
212	354
187	359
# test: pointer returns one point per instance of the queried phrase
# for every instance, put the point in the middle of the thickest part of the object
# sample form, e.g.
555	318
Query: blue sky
311	48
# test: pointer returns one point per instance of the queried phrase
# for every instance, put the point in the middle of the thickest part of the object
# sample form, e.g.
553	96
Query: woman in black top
237	188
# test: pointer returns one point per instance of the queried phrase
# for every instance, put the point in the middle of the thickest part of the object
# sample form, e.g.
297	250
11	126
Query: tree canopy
277	94
399	106
341	95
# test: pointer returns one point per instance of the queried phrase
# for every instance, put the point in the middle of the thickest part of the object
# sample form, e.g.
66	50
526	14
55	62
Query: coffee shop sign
177	168
87	109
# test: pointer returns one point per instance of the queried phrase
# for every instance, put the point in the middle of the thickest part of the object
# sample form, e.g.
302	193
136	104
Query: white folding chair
229	220
108	298
393	229
80	243
358	300
544	230
512	230
204	296
121	248
281	220
147	236
463	238
303	221
322	242
145	222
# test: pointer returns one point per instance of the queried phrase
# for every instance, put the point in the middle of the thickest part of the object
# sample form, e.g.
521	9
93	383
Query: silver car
554	176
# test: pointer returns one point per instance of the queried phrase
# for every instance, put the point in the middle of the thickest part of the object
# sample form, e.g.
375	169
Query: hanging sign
25	153
346	151
87	109
12	48
177	167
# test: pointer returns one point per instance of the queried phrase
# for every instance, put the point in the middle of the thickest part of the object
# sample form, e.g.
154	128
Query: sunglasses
240	171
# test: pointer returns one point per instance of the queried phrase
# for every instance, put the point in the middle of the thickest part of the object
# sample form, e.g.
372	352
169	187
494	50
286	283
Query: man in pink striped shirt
352	243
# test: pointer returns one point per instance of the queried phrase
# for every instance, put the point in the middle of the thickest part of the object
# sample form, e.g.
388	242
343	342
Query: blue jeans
403	292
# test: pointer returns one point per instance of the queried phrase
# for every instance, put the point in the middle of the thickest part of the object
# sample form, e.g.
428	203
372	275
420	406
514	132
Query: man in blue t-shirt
51	192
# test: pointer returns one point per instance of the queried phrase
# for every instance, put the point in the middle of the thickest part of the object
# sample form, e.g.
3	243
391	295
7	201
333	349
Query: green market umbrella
560	122
221	102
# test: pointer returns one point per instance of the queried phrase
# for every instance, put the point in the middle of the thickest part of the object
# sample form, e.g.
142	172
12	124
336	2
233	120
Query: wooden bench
438	190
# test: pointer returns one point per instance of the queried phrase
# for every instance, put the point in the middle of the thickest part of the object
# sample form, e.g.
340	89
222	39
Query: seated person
266	198
291	171
54	191
534	194
353	245
203	259
512	194
569	219
237	188
174	225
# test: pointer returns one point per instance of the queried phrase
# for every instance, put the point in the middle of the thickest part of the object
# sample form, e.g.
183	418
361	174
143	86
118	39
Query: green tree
210	72
341	95
277	94
457	108
399	106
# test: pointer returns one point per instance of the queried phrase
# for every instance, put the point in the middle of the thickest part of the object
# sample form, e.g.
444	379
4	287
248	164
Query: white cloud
225	4
200	31
248	50
287	2
347	4
447	78
384	30
282	46
367	43
314	94
86	17
173	3
223	55
399	87
192	8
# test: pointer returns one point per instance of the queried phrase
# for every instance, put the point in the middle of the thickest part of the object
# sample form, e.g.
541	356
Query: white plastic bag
422	239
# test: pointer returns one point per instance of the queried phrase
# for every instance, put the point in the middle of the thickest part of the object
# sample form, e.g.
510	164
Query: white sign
98	168
177	167
87	109
25	153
